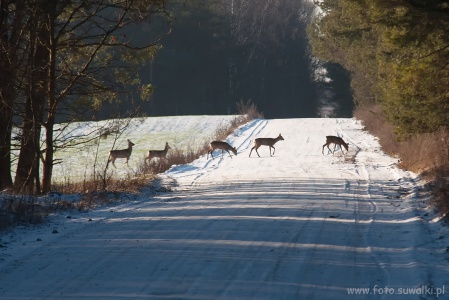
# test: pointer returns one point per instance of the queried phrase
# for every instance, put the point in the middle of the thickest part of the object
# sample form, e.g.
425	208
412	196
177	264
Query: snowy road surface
298	225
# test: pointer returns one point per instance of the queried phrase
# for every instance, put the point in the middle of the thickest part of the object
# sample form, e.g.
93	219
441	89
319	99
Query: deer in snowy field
122	153
266	142
220	145
161	154
336	141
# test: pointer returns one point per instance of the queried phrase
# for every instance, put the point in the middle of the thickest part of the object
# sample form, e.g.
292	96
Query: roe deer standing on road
123	153
220	145
336	141
158	153
265	142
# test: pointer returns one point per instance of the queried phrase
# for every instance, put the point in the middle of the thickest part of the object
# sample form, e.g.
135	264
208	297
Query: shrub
426	154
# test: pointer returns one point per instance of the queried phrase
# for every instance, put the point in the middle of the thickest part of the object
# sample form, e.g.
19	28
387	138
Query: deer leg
335	146
229	153
255	148
251	151
274	149
339	146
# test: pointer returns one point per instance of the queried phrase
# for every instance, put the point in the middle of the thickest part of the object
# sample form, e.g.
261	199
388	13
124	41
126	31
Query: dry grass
174	157
21	209
247	111
15	209
425	154
441	189
32	209
131	184
375	122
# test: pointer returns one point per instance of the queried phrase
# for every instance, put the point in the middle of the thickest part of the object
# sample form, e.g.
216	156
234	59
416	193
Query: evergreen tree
397	53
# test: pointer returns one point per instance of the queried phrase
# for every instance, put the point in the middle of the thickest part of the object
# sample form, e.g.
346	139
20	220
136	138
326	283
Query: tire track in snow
359	228
250	138
259	126
362	207
348	139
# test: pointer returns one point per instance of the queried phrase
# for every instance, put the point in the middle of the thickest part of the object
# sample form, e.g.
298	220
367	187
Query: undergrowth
425	154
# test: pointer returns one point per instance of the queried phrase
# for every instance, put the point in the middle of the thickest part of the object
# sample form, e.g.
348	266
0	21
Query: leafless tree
78	54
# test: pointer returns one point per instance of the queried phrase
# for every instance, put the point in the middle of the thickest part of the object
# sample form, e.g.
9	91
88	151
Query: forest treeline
65	58
397	52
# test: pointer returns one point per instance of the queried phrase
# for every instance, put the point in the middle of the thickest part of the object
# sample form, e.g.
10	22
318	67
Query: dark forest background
222	52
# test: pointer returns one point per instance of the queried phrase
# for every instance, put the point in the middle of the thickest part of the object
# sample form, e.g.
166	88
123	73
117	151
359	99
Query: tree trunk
10	25
6	100
5	135
25	173
52	105
49	153
27	176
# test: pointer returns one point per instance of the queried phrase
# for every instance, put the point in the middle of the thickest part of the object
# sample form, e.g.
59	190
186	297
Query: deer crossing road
298	225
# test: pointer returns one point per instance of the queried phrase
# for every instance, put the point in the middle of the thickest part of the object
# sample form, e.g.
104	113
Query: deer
220	145
122	153
161	154
266	142
336	141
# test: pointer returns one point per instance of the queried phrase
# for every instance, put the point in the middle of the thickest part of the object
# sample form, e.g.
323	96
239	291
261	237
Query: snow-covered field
298	225
182	133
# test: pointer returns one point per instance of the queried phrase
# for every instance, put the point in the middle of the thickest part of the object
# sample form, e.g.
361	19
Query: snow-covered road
298	225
